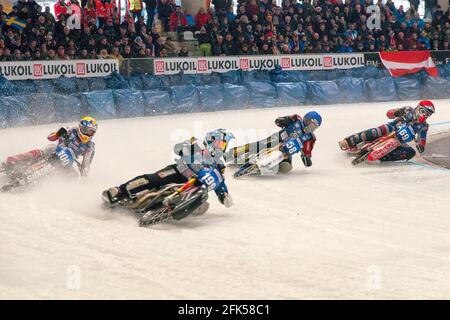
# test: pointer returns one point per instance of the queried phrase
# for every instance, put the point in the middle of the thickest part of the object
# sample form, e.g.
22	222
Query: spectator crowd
30	32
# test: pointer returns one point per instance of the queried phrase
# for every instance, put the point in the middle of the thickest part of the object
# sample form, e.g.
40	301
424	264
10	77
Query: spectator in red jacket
177	20
104	10
88	13
101	11
60	8
202	18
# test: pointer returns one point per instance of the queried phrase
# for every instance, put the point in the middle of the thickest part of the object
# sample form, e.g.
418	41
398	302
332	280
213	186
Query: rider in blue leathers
414	117
199	159
296	131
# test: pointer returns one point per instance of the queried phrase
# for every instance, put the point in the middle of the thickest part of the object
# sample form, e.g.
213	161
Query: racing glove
283	122
62	132
306	161
420	148
225	199
83	171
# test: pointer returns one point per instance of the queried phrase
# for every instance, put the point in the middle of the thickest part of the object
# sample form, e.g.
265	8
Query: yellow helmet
86	129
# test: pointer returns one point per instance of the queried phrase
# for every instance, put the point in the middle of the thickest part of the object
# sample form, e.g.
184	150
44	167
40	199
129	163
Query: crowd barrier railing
63	99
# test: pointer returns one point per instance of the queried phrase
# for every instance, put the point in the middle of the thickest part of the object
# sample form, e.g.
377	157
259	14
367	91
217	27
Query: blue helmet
312	120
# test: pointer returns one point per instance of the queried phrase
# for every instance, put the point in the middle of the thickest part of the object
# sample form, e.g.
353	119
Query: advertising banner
35	70
169	66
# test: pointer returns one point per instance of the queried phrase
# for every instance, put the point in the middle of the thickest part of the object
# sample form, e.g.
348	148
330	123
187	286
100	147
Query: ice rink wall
27	102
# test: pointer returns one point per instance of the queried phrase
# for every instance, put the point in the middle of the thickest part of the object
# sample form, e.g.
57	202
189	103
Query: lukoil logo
243	64
285	63
81	68
160	67
37	70
328	62
202	65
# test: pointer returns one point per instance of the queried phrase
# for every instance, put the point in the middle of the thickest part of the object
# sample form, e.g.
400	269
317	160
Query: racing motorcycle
172	201
382	146
267	161
29	173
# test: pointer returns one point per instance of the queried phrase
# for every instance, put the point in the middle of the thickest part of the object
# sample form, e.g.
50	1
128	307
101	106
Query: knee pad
36	153
410	153
284	167
135	184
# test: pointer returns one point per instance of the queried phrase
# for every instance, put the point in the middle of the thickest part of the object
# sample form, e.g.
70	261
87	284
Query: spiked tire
360	158
179	212
155	216
246	170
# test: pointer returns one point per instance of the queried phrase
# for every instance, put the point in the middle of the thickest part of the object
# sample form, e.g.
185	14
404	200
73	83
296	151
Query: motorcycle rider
78	138
415	117
195	159
302	128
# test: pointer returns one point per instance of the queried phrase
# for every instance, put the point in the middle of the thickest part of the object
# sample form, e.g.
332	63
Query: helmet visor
424	111
311	125
87	131
219	145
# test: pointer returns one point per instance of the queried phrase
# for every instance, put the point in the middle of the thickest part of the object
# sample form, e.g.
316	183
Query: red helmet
424	109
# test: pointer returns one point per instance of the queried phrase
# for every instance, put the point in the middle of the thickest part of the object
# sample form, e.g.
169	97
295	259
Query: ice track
329	231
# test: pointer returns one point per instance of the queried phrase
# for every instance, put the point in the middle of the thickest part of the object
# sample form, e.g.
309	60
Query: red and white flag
403	62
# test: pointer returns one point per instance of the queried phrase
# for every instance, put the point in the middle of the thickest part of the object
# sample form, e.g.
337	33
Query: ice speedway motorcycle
267	161
171	201
382	146
27	173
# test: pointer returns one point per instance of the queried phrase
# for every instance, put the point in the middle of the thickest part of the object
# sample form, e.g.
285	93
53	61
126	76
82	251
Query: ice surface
329	231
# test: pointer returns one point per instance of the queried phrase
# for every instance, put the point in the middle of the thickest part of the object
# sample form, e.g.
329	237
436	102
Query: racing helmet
217	140
87	129
312	120
424	109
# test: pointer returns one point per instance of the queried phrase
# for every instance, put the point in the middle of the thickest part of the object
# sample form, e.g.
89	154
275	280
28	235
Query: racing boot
285	167
112	196
343	144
